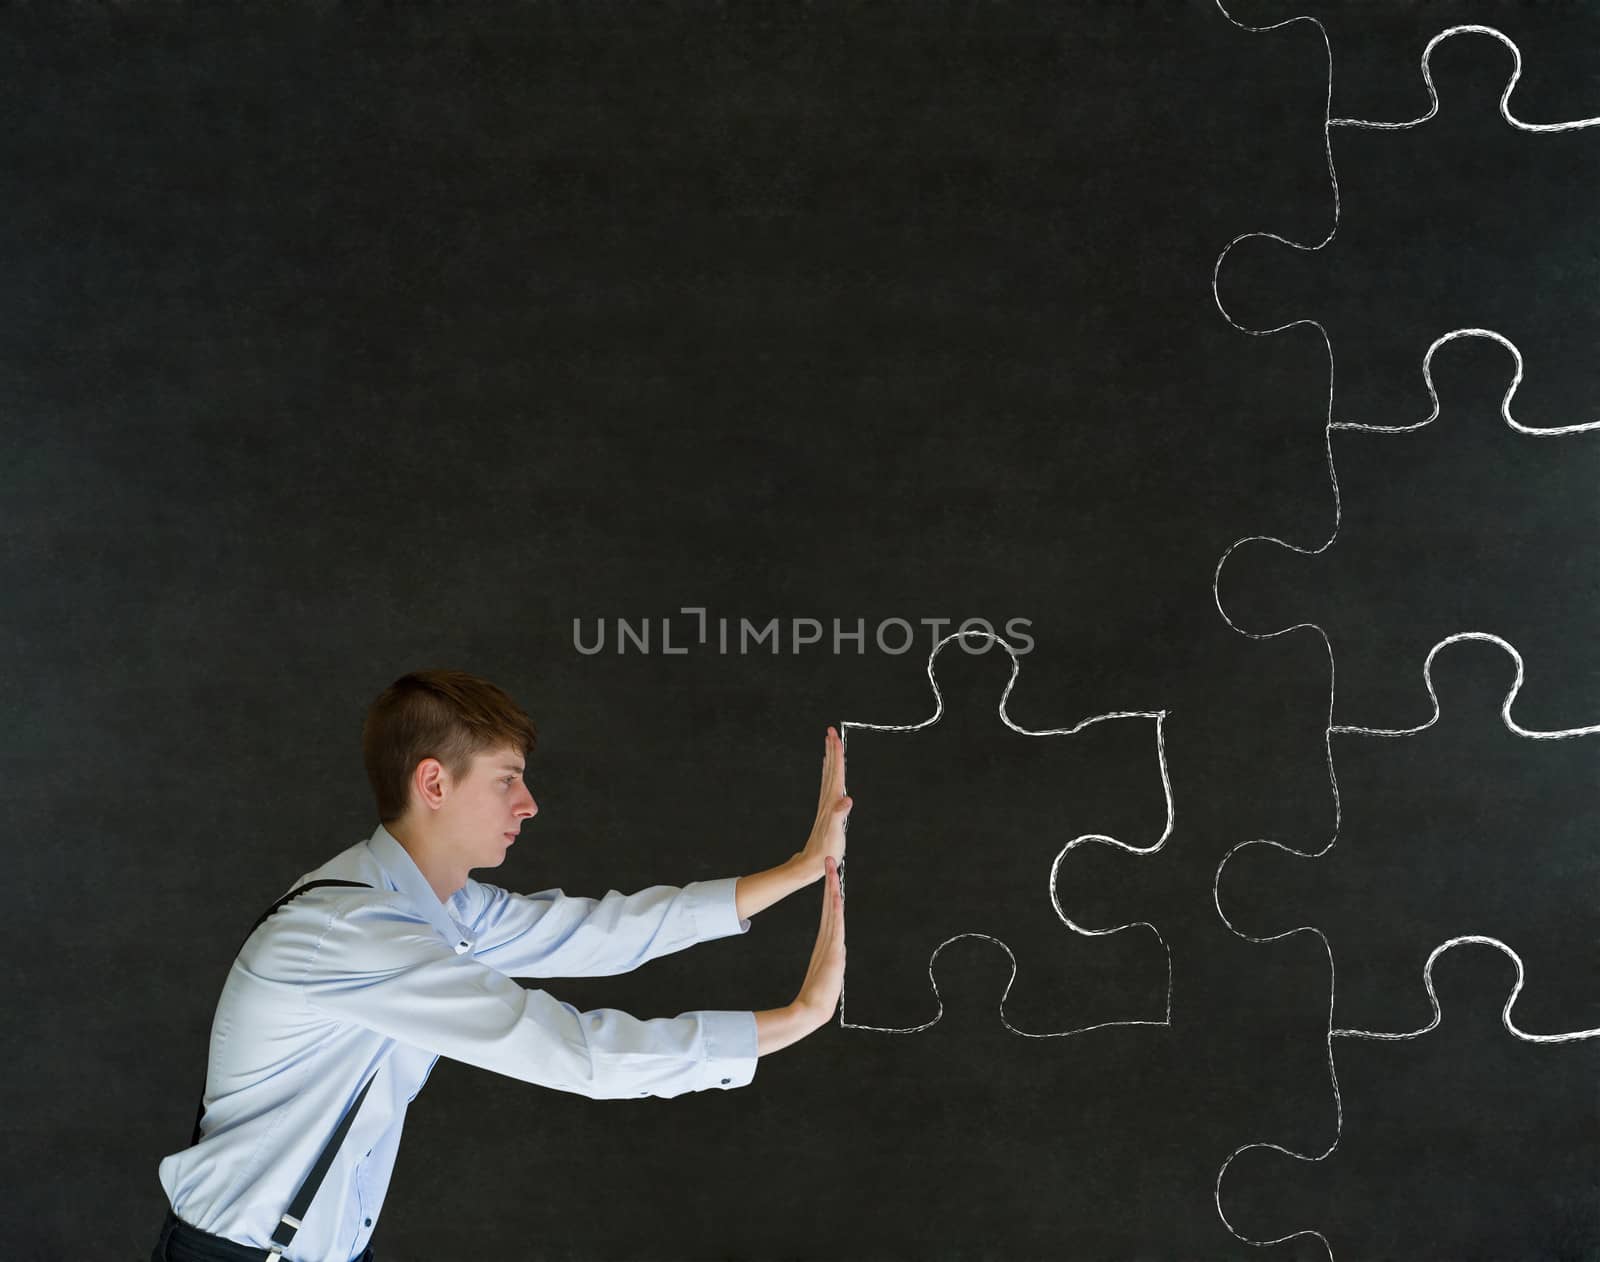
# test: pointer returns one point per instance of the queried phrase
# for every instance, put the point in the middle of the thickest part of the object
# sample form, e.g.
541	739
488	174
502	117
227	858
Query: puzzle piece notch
967	972
1459	1140
1101	888
1460	826
978	849
1382	63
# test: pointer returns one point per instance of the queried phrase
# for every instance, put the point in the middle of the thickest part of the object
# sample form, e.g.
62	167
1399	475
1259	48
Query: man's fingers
832	787
830	767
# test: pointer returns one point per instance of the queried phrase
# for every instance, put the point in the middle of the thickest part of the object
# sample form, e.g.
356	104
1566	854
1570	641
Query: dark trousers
180	1242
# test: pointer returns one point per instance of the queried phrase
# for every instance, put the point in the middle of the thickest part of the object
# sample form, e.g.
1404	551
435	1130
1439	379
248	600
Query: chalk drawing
1333	1076
1157	717
1506	1017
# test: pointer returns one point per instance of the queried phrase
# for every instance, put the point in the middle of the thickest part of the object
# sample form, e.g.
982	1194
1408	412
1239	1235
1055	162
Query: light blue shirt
344	981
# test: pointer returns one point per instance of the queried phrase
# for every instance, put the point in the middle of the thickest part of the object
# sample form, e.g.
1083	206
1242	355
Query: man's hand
819	994
833	808
760	890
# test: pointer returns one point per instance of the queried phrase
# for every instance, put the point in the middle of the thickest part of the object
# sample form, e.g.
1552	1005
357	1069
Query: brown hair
444	714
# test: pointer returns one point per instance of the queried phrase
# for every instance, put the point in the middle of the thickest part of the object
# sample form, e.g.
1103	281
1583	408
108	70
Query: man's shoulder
348	887
340	931
354	863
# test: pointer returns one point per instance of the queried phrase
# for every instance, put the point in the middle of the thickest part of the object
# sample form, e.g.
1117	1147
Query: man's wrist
779	1027
808	1017
758	891
805	868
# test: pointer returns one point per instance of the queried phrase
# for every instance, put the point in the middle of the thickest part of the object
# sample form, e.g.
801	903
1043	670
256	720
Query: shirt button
368	1223
461	947
726	1081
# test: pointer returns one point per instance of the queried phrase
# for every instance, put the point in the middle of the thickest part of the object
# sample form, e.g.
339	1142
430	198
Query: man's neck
443	876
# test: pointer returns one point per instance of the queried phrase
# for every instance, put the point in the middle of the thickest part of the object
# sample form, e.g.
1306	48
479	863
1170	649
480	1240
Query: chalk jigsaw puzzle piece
1468	823
1465	1138
1377	49
1466	218
1467	519
969	817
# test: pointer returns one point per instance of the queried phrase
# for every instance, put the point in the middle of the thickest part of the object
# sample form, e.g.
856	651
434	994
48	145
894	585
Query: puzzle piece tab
1463	1139
969	816
1467	824
1464	521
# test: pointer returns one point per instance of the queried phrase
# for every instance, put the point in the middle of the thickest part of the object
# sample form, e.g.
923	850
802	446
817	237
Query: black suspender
283	1233
290	1222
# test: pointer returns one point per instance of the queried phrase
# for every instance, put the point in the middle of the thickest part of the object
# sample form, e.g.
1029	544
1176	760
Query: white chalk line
1338	518
1470	28
1427	970
1333	180
1338	806
1327	645
1510	723
1159	716
1338	1100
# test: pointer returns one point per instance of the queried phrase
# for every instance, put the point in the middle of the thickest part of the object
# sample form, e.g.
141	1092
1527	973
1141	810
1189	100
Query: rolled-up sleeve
554	934
381	968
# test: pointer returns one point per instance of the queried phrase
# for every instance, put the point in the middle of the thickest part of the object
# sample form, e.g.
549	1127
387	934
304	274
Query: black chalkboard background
341	341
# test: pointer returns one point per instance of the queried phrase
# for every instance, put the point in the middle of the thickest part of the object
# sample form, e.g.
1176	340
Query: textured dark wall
349	340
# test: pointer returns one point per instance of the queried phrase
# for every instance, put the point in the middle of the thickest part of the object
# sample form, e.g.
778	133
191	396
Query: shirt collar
407	879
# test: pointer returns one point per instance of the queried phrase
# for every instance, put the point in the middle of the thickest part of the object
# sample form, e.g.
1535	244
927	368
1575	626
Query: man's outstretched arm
379	966
760	890
819	994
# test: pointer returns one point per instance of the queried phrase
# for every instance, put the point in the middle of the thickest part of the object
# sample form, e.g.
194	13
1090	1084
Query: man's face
490	805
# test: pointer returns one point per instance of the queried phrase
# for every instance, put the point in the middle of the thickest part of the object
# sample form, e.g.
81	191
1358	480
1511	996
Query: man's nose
532	808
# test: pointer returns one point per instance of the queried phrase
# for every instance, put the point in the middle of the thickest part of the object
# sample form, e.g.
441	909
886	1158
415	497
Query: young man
345	994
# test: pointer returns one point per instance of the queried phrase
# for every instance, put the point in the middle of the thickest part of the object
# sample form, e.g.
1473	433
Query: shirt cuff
731	1055
716	909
